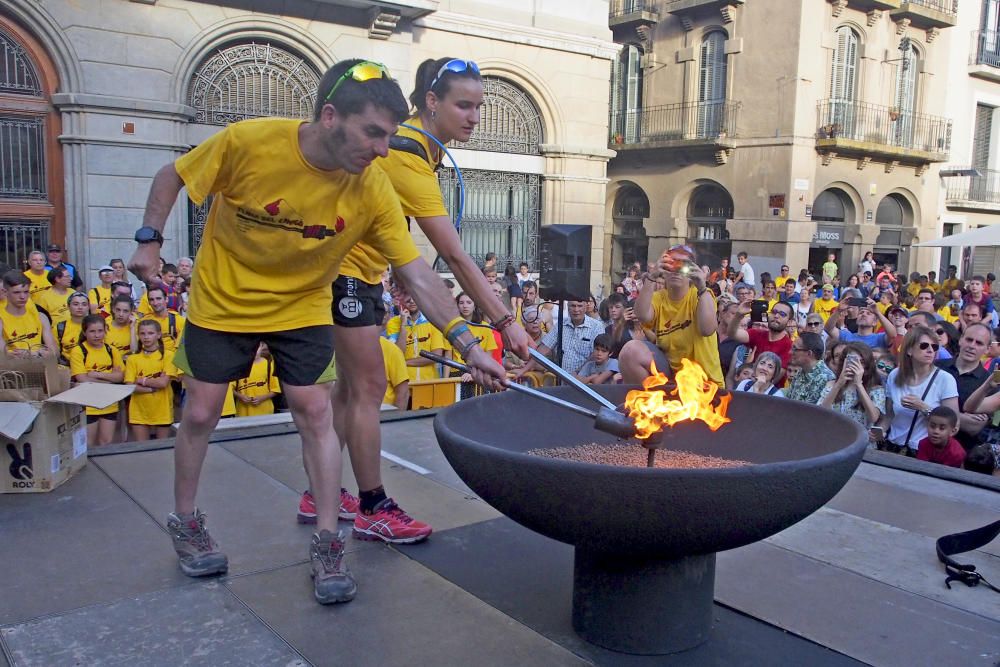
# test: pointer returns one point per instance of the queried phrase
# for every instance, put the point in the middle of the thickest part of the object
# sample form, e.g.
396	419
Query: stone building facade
783	129
96	96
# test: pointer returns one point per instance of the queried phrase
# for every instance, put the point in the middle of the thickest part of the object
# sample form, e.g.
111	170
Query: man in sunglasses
295	198
808	385
868	320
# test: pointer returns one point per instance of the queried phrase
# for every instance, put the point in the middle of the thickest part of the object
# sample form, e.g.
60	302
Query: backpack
172	325
107	348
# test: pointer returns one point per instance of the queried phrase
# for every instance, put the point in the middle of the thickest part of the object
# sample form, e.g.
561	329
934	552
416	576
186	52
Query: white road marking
406	464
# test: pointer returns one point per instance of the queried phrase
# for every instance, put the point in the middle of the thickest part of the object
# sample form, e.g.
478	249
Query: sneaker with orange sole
389	523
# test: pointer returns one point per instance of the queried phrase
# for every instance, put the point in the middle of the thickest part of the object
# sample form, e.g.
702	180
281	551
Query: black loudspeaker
564	254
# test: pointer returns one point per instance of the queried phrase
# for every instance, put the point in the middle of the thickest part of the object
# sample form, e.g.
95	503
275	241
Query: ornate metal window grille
502	214
22	157
18	237
509	121
252	81
17	72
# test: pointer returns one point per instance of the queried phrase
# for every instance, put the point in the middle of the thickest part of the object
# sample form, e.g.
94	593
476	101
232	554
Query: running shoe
198	554
307	507
389	523
332	582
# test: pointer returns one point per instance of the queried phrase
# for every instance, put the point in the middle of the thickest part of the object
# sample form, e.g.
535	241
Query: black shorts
301	356
93	419
357	303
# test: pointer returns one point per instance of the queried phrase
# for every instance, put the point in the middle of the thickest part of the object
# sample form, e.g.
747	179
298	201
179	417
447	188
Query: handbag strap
916	413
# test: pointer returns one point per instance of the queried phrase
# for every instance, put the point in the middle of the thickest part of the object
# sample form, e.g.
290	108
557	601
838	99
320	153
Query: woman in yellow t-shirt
55	300
255	392
38	276
121	332
468	310
151	370
69	332
93	360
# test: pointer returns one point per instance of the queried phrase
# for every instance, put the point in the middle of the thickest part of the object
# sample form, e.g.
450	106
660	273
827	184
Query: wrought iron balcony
926	14
868	5
630	14
683	125
681	6
973	192
847	127
984	55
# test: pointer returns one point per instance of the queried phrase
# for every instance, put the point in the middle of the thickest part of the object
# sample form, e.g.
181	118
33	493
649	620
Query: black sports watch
145	235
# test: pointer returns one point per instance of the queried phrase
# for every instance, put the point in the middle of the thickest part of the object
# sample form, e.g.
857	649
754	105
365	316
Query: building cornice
507	32
115	105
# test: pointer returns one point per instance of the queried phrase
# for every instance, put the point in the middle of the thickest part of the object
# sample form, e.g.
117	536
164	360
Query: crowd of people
118	331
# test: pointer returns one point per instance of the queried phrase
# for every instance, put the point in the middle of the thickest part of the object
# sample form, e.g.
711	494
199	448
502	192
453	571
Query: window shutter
982	137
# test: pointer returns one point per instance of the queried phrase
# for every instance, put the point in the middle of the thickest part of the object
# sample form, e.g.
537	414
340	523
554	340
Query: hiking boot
331	580
198	554
307	507
389	523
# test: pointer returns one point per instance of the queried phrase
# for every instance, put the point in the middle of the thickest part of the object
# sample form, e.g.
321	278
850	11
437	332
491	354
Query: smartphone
758	310
996	376
857	301
877	432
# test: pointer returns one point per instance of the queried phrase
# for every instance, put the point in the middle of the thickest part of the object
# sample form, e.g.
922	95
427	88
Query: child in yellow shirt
93	360
255	392
151	370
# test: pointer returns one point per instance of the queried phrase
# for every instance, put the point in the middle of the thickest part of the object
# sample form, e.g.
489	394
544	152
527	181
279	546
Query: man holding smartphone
869	317
772	338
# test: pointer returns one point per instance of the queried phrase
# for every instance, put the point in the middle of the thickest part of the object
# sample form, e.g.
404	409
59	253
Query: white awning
984	236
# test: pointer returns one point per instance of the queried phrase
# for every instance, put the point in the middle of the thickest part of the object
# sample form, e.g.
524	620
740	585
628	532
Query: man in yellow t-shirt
826	304
38	276
24	332
293	198
397	379
171	322
413	333
683	317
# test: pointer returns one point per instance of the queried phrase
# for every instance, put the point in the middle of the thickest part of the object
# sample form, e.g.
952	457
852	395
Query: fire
693	399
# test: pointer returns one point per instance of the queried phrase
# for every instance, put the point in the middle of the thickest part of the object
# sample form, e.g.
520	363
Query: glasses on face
814	324
924	345
457	66
361	72
883	366
939	332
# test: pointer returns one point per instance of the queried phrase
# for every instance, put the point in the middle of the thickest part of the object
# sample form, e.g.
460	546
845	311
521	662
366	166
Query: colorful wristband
468	346
452	324
457	331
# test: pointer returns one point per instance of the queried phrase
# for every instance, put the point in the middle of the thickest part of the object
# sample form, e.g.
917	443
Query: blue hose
461	182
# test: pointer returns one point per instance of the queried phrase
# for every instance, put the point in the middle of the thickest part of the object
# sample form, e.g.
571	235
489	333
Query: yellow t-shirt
421	335
69	339
120	338
97	360
419	192
949	284
825	307
261	380
945	313
144	307
39	285
154	408
22	332
55	304
395	369
100	296
913	289
169	339
487	341
678	336
229	405
279	227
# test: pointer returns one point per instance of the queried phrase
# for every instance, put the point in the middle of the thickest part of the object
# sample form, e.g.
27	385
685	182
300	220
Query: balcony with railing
850	128
980	191
984	55
686	125
678	7
630	14
927	14
869	5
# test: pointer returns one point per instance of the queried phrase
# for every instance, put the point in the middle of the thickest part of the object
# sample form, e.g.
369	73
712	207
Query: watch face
147	235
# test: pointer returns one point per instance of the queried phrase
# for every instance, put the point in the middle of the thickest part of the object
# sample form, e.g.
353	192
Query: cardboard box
43	429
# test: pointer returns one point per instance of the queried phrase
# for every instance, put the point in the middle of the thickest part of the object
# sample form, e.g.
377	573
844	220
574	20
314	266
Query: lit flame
652	410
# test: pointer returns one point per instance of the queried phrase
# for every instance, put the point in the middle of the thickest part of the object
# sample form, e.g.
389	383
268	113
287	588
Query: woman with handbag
913	389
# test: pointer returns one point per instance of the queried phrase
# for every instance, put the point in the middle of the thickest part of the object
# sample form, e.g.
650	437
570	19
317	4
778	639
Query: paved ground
91	578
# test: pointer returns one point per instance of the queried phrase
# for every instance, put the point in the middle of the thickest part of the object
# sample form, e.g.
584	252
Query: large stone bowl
646	539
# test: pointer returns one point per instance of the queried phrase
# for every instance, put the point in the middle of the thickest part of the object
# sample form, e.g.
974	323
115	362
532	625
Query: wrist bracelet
452	324
455	332
504	322
464	351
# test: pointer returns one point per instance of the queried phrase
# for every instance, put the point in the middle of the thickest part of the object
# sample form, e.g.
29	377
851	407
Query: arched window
907	72
30	159
844	81
829	207
248	80
708	209
509	120
893	215
252	80
626	94
711	84
630	243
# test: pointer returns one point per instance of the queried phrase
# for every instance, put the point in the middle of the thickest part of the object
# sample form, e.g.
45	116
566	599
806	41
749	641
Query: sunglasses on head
455	66
924	345
361	72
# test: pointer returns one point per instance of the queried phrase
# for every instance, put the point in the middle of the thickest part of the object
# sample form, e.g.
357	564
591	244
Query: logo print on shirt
288	220
273	208
339	226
